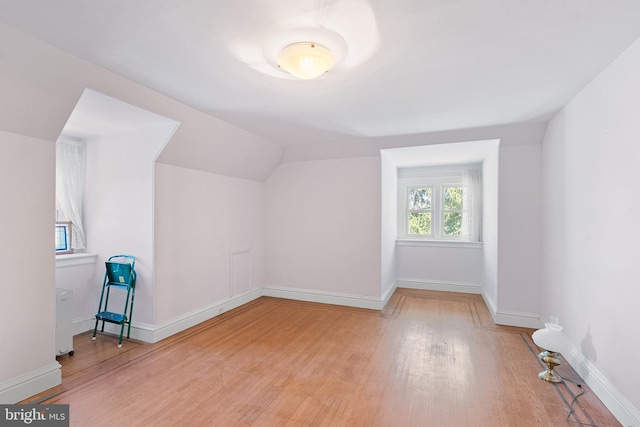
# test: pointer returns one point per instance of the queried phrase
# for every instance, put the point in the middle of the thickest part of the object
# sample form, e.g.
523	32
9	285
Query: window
439	203
419	199
63	238
70	170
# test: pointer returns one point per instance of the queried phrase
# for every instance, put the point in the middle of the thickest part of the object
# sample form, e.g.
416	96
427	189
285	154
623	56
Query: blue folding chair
119	276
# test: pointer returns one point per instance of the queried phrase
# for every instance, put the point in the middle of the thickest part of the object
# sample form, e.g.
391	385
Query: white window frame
437	178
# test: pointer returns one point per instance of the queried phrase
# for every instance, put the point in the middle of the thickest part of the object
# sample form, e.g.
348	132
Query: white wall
292	254
490	222
441	264
591	251
323	226
27	172
388	223
209	239
118	212
520	230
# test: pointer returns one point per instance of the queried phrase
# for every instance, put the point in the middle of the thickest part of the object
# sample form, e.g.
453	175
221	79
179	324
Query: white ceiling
408	66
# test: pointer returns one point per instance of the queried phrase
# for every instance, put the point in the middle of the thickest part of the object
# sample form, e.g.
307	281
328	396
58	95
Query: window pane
420	198
61	238
452	223
420	223
452	198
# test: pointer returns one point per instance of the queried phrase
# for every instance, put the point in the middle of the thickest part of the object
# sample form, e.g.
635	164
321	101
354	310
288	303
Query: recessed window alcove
451	266
122	143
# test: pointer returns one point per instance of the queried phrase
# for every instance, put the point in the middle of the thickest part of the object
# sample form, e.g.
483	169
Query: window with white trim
440	203
70	177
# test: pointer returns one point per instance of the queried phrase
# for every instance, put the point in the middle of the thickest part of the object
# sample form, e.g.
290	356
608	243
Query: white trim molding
440	285
358	301
513	318
149	333
82	324
30	383
152	334
386	295
139	331
439	243
186	321
72	260
620	406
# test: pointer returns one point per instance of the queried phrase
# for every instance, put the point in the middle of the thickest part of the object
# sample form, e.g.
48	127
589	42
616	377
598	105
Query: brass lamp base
551	359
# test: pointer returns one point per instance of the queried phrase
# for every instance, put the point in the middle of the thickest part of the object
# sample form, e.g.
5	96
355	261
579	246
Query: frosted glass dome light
306	60
550	338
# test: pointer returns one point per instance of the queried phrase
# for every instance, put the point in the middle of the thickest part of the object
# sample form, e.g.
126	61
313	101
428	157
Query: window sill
438	243
72	260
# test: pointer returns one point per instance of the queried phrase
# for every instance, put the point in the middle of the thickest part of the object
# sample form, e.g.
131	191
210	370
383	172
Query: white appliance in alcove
64	317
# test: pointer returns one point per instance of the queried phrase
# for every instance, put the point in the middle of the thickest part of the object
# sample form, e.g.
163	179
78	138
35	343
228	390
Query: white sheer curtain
472	222
70	167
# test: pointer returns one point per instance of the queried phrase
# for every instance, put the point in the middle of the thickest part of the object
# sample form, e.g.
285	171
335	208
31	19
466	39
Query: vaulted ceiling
406	66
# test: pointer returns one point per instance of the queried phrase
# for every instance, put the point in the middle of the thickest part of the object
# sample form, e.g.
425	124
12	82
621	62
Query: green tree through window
452	211
419	210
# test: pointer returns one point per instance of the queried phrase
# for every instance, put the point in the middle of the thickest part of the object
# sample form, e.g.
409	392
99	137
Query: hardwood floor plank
428	359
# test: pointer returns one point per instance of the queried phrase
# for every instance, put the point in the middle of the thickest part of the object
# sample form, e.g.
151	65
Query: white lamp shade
306	60
550	338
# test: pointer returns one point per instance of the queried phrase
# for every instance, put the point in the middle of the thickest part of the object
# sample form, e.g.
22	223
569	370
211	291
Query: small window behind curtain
70	174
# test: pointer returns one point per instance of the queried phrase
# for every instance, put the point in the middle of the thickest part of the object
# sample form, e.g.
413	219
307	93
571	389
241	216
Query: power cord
573	401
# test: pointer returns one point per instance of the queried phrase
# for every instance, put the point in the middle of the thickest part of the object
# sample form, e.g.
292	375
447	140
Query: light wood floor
429	359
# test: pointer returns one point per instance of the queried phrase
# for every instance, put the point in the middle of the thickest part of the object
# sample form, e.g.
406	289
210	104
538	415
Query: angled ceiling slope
97	114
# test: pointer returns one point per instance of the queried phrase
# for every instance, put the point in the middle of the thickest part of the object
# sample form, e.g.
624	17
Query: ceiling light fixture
306	60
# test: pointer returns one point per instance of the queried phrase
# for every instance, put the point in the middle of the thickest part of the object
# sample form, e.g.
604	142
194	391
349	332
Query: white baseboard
437	285
386	295
620	407
83	324
152	334
195	317
31	383
149	333
513	318
335	298
500	317
139	331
